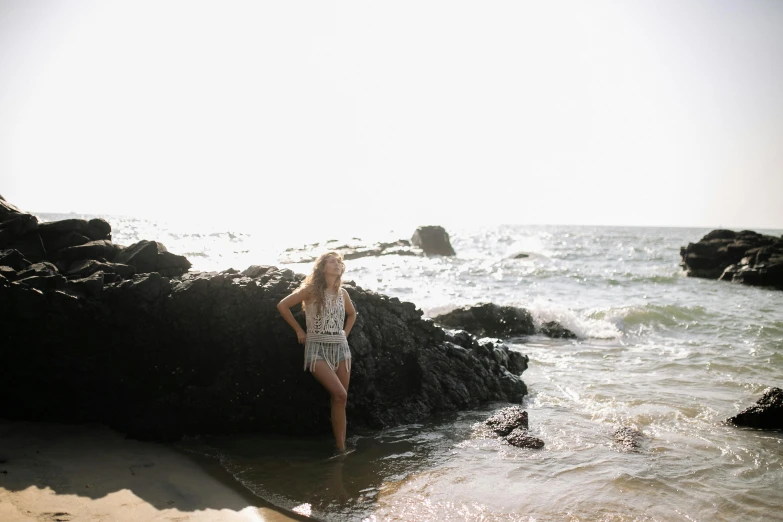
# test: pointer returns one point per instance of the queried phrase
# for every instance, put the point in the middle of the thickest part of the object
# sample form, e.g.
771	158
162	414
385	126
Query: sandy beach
55	472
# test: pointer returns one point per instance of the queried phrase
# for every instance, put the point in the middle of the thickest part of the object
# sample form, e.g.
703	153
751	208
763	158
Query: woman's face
333	266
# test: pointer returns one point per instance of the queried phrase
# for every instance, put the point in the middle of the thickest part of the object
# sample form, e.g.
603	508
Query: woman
330	316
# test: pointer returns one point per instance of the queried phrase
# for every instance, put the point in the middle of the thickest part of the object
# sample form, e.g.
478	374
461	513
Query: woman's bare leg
339	396
344	374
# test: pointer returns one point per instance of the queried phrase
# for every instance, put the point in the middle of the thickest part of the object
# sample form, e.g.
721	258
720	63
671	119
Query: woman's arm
350	313
284	307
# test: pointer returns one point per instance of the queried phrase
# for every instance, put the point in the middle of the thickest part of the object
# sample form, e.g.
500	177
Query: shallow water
670	356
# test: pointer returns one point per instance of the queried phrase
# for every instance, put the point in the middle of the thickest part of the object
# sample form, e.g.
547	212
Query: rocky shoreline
128	336
93	331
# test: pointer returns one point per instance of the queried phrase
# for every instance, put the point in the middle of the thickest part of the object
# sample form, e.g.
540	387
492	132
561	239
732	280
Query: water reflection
303	475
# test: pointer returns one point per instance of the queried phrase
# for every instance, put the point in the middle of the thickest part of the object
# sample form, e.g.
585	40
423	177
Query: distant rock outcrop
430	240
354	250
743	257
433	240
491	320
766	414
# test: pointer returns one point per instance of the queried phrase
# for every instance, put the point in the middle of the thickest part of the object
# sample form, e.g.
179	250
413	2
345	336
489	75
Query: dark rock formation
209	353
93	331
257	270
744	257
627	437
511	424
152	256
433	240
13	259
556	330
487	319
93	229
766	414
76	249
87	267
507	420
19	230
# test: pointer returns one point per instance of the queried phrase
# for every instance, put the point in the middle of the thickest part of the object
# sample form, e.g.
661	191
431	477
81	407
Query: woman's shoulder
306	291
344	294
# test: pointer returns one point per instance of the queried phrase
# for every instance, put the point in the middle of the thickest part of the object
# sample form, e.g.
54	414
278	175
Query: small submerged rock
511	424
766	414
507	420
520	438
627	437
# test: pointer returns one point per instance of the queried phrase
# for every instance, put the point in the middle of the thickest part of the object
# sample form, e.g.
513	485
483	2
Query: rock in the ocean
488	319
433	240
522	439
511	424
766	414
627	437
556	330
507	420
743	257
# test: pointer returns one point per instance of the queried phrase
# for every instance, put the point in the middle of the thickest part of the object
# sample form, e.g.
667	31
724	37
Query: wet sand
56	472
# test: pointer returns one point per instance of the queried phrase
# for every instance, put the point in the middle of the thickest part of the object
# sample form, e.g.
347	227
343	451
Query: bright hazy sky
615	113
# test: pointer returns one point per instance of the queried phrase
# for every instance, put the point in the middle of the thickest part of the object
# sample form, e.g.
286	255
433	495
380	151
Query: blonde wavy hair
316	281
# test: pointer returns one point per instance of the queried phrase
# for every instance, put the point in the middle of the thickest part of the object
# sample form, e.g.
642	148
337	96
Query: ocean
667	355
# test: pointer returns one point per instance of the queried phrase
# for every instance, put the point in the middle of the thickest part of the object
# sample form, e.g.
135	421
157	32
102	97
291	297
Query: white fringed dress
325	335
